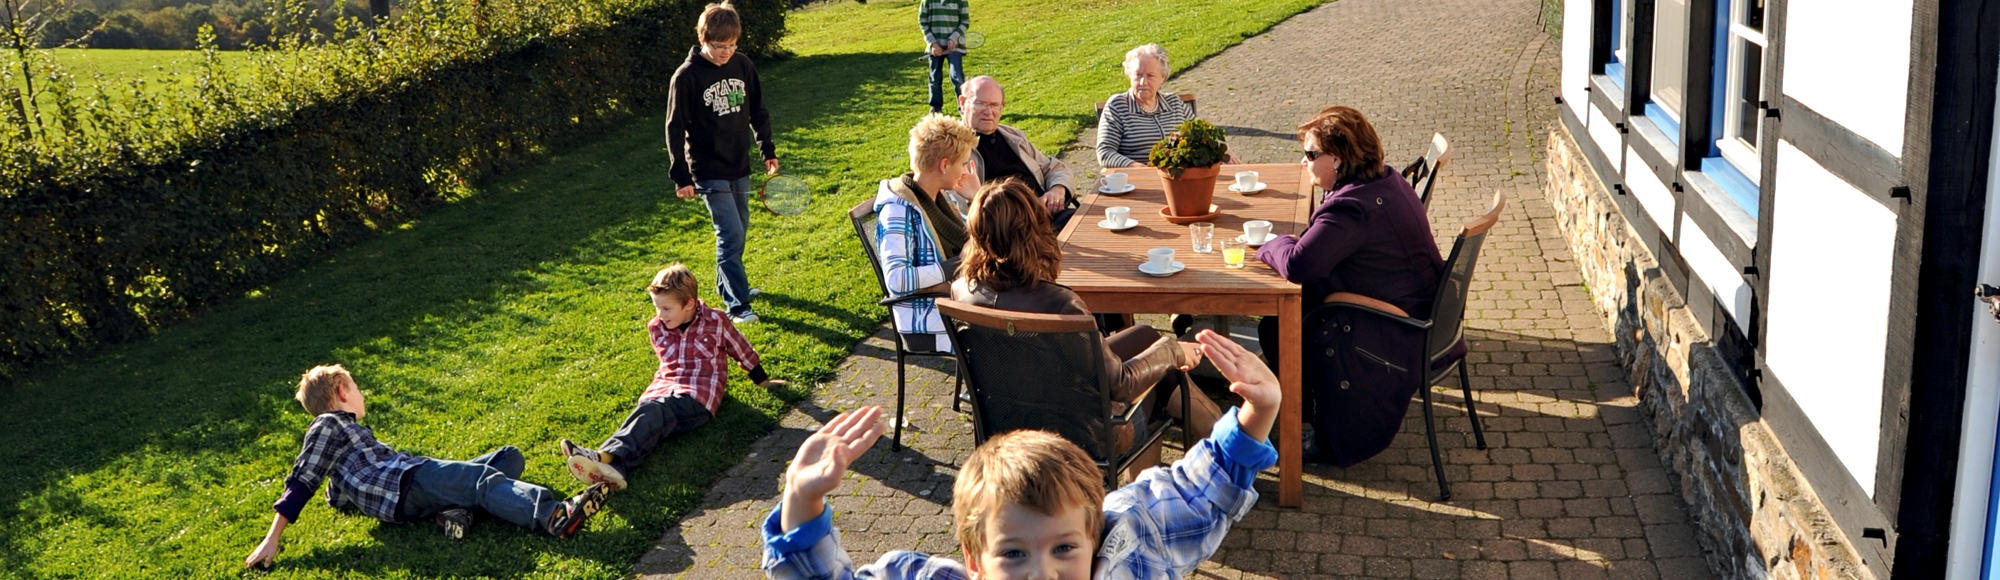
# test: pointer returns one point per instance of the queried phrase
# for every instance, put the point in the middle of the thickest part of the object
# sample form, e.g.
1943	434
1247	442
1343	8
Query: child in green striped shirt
944	23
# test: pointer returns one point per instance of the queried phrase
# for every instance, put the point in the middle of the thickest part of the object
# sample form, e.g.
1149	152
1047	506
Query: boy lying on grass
694	344
381	482
1029	504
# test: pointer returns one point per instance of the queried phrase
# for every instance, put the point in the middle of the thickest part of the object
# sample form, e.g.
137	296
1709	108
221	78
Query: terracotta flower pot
1191	193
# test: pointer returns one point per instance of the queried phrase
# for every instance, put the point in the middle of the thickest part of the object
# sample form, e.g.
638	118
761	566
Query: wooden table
1102	266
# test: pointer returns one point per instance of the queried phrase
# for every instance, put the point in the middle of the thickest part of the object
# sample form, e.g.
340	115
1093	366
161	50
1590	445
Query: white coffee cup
1117	215
1246	180
1160	258
1114	181
1256	230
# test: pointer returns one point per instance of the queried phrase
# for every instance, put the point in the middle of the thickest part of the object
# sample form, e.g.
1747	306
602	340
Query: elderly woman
917	230
1010	262
1132	121
1368	241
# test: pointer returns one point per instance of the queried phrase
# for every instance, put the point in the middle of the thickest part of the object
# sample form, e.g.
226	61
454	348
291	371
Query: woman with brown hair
1010	262
1369	237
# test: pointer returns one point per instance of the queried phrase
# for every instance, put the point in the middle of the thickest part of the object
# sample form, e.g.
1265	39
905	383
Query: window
1736	132
1670	33
1620	53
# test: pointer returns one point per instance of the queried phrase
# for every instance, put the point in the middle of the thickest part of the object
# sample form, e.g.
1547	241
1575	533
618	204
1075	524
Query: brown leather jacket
1130	376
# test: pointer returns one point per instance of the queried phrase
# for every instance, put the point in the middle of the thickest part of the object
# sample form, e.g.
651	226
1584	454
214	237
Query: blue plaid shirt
367	476
1160	526
910	262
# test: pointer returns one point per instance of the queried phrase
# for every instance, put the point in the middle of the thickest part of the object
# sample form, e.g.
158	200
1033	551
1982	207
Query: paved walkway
1569	488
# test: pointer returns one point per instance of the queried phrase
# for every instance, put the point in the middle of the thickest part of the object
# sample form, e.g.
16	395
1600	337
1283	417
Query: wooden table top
1096	259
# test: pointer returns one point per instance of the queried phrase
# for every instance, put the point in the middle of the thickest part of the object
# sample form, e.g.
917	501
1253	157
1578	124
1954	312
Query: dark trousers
489	483
651	422
957	61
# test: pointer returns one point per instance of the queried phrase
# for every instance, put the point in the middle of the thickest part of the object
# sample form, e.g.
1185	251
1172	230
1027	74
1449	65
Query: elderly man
1005	151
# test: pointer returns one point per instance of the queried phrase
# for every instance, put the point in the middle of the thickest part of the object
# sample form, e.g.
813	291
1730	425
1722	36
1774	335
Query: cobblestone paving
1569	486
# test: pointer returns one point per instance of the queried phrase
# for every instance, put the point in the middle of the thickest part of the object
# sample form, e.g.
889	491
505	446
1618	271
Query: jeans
487	483
728	202
652	421
937	76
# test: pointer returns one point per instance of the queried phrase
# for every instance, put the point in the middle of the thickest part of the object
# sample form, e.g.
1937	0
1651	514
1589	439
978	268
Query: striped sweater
1126	134
944	21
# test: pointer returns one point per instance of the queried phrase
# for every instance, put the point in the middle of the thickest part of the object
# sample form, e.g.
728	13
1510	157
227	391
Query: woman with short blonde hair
918	232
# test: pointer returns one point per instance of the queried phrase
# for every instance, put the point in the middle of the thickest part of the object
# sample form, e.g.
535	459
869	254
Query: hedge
121	215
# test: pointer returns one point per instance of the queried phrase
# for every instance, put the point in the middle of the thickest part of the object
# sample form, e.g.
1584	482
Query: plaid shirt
1160	526
944	21
692	359
367	476
910	262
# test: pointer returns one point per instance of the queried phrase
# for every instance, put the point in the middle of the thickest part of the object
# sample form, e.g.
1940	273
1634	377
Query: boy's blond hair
718	22
318	387
675	281
1037	470
939	137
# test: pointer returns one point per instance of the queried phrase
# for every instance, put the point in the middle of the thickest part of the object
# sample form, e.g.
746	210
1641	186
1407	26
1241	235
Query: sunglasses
1312	155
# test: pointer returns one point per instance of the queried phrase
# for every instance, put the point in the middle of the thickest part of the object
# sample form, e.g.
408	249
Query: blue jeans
652	421
937	76
488	482
728	202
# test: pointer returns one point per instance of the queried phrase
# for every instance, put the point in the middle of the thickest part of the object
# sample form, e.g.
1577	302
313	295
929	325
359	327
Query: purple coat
1371	238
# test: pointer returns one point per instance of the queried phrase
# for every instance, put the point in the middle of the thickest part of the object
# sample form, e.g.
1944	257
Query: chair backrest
863	218
1187	97
1448	311
1423	172
1033	371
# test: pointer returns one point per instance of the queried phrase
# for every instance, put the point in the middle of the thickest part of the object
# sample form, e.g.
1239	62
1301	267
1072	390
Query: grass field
516	317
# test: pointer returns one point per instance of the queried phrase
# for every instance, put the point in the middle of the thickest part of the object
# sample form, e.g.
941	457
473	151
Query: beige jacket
1050	171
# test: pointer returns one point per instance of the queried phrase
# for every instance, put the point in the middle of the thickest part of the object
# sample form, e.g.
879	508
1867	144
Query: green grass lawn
516	317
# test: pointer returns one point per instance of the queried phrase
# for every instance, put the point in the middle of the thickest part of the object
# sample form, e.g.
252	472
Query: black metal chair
863	218
1443	332
1046	371
1422	173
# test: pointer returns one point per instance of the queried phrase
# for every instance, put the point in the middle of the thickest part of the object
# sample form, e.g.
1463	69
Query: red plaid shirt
694	360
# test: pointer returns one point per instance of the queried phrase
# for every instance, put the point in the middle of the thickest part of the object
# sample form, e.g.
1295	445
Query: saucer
1213	213
1147	267
1237	187
1245	238
1107	190
1129	224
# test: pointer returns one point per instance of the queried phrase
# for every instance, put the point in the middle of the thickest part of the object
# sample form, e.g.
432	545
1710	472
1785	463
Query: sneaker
755	292
587	466
570	515
746	318
454	522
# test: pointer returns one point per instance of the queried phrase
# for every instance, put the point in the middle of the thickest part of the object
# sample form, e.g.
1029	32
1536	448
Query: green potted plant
1189	159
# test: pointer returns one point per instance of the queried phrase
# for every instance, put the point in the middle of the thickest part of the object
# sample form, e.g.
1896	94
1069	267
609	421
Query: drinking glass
1232	252
1204	237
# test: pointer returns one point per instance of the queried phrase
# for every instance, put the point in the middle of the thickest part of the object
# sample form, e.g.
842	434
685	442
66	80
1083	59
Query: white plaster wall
1850	60
1576	56
1606	137
1722	278
1831	250
1652	195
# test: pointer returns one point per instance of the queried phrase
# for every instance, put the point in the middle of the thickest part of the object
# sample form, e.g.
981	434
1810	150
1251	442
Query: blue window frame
1615	66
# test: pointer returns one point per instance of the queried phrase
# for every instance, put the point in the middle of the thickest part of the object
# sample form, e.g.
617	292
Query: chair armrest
937	291
1352	301
1139	402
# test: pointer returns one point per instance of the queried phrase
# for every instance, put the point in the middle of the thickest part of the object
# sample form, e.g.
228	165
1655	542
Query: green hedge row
128	204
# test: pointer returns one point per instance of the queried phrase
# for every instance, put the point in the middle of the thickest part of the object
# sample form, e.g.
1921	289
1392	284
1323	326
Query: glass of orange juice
1232	252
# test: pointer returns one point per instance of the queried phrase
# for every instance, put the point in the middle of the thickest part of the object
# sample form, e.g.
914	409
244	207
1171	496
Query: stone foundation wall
1758	519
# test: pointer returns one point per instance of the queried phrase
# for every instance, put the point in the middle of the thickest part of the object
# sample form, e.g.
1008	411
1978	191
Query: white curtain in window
1669	54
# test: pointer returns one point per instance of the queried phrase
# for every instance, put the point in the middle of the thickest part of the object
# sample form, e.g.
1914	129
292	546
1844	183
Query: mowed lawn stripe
515	317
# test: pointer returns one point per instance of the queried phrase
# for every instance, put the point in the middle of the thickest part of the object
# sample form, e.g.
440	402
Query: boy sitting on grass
377	480
1029	504
694	344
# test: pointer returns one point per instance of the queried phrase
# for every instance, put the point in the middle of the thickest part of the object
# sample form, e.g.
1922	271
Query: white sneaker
755	292
746	318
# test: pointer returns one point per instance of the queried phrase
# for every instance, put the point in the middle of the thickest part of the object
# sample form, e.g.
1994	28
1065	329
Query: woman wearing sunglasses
1370	241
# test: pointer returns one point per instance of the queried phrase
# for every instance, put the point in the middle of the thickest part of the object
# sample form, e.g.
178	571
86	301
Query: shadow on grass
161	414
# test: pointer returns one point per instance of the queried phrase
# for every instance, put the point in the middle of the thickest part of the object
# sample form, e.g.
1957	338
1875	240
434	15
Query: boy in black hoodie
713	106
